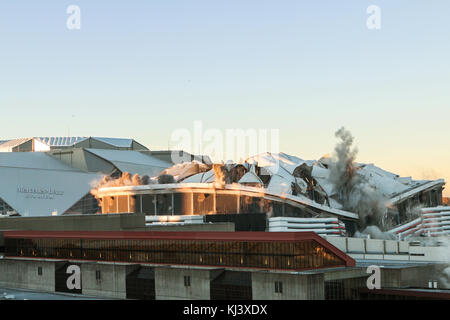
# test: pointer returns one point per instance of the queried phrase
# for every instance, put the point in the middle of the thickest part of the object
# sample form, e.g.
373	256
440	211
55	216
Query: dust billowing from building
127	179
353	190
220	173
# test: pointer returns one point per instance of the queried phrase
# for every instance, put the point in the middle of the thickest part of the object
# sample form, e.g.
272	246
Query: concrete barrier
338	242
105	279
435	254
27	274
374	246
391	246
91	222
295	287
356	245
170	283
403	247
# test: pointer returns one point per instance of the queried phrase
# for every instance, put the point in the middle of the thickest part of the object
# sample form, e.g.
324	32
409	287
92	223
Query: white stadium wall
35	184
42	192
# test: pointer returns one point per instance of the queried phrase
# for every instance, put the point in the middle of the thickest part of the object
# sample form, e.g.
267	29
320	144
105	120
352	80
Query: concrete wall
100	222
403	247
112	282
420	253
23	274
420	276
96	222
359	248
169	283
345	274
374	246
338	242
391	247
417	277
355	245
295	287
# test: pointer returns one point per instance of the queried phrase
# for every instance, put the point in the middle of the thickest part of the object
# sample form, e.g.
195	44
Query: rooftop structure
35	184
35	144
58	180
44	176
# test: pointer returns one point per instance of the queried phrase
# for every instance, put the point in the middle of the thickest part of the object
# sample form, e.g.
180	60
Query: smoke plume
220	173
375	233
166	179
353	190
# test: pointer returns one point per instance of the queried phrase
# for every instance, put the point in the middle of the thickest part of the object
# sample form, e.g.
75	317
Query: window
226	203
39	271
122	202
278	287
296	255
187	281
203	203
98	275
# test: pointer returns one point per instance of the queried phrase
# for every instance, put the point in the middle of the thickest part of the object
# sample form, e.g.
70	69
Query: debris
181	171
166	179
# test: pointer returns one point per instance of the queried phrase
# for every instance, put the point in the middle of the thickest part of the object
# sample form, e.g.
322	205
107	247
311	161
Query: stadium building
54	176
272	227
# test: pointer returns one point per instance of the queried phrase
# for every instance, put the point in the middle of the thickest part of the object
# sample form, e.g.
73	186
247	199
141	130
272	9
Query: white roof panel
32	160
202	177
132	161
280	185
251	177
117	142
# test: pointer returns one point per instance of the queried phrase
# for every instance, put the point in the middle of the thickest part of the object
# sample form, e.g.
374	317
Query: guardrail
162	220
433	222
322	226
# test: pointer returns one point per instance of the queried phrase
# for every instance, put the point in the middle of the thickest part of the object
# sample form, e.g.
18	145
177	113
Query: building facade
173	265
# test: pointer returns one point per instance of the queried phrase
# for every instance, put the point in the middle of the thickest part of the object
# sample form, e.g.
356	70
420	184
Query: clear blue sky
142	69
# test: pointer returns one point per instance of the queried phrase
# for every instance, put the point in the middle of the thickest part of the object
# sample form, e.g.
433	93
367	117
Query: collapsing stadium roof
290	175
308	182
390	185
